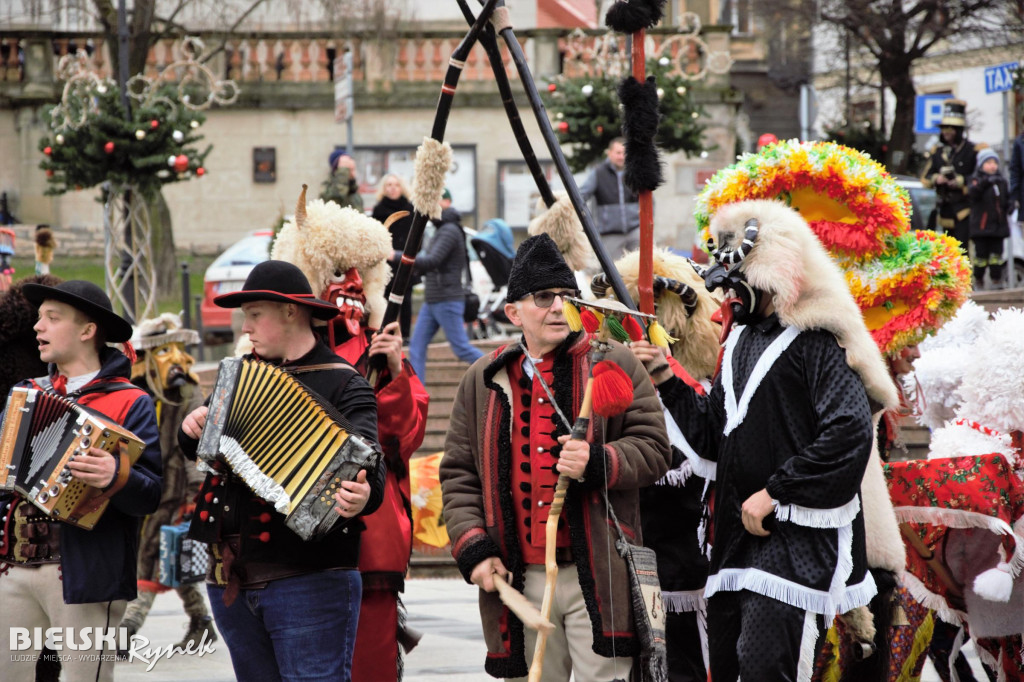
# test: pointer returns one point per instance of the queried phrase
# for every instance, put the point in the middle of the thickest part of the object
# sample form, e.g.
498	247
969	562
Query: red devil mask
346	292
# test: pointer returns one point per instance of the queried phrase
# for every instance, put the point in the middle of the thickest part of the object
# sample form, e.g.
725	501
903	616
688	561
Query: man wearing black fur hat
287	608
60	575
950	164
506	446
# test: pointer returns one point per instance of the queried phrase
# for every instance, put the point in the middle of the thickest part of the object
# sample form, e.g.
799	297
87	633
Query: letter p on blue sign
928	113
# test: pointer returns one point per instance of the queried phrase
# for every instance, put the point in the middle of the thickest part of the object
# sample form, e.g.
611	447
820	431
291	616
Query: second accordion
289	446
41	433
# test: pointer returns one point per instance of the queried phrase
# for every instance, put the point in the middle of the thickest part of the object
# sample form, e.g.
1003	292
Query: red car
227	274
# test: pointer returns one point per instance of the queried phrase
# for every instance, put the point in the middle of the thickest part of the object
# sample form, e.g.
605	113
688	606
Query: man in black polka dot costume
787	429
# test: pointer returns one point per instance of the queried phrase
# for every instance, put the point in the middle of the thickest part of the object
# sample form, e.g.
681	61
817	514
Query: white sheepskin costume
324	240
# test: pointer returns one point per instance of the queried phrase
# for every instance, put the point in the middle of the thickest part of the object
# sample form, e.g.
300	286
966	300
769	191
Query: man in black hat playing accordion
61	575
283	603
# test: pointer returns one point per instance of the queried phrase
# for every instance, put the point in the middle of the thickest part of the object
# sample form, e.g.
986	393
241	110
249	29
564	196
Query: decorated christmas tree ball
59	139
181	164
178	136
200	171
109	147
587	89
171	160
140	134
154	124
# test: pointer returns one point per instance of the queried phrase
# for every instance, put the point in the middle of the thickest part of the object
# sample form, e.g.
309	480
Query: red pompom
563	127
589	320
552	87
109	148
264	536
203	515
47	150
633	328
215	481
129	351
208	497
265	517
200	171
612	391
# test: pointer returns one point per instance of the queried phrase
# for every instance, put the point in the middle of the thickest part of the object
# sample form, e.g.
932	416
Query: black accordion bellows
290	447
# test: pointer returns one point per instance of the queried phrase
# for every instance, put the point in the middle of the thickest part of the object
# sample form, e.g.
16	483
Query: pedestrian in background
618	209
341	185
990	219
441	265
950	164
393	196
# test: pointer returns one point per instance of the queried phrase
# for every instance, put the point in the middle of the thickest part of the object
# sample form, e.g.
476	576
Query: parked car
922	201
226	275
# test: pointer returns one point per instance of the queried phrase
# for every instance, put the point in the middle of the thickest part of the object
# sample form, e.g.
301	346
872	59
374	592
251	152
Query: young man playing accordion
281	602
56	574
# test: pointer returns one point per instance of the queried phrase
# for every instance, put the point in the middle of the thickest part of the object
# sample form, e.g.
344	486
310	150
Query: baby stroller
494	247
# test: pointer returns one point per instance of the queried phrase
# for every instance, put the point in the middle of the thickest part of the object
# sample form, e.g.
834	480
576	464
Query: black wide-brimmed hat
538	265
278	280
87	298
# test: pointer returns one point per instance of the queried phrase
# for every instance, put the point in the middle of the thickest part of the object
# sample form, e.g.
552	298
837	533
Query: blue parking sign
928	113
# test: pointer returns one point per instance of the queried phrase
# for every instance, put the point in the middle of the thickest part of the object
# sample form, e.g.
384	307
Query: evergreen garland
154	148
588	115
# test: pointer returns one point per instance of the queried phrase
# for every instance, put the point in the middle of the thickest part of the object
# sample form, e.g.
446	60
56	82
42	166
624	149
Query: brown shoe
196	628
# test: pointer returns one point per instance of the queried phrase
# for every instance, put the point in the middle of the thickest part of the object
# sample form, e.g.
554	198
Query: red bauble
200	171
552	87
154	124
49	172
47	150
600	130
109	147
563	127
181	163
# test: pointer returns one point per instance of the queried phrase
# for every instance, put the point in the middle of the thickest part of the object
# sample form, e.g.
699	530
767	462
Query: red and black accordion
291	447
41	433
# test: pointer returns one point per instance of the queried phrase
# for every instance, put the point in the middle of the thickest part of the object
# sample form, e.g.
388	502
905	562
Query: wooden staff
403	275
645	277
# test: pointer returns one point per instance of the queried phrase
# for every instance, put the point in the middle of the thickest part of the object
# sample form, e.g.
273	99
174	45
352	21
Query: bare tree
895	34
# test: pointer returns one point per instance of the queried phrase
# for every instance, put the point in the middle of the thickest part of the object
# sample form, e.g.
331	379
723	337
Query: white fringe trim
954	651
928	599
705	468
789	592
844	565
835	517
685	601
702	633
808	647
677	478
737	412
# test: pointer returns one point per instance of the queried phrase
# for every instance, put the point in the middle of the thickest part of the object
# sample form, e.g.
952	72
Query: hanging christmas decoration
90	122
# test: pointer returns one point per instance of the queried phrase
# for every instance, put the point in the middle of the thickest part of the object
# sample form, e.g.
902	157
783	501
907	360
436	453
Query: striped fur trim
736	411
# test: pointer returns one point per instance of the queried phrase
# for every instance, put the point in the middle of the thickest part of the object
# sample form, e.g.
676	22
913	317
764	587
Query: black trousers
758	638
685	654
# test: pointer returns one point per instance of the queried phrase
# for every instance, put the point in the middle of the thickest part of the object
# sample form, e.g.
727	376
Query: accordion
286	443
182	560
41	433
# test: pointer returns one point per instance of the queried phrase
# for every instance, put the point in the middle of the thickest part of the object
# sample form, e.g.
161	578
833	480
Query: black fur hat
629	16
538	265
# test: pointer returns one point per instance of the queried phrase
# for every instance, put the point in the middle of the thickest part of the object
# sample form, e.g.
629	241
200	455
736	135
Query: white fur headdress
324	238
992	391
808	288
157	331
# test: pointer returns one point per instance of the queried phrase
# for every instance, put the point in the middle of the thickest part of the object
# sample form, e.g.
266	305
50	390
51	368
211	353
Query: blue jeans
445	315
300	628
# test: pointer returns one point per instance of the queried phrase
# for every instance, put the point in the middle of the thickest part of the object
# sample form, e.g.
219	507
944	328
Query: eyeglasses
544	299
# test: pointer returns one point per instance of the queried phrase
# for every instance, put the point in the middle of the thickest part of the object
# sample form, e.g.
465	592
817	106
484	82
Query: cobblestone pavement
444	610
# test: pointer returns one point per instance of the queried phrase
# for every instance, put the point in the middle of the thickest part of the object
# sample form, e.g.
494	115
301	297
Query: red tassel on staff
612	391
632	327
590	321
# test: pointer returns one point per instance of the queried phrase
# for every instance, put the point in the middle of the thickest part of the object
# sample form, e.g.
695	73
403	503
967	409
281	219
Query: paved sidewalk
444	610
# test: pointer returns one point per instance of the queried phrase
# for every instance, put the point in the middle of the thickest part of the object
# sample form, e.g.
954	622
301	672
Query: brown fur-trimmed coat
631	450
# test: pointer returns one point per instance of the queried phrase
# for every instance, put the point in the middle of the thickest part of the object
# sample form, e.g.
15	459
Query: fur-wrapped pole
558	157
639	99
433	159
490	44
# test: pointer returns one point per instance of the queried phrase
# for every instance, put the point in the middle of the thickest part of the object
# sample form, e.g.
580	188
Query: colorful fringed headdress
849	200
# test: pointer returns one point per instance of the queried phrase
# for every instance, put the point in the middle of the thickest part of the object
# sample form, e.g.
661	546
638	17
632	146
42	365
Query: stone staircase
444	372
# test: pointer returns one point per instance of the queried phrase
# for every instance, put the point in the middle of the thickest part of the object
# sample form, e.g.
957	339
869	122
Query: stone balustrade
269	57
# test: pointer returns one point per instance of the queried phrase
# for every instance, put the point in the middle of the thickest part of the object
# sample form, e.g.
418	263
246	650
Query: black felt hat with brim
538	265
87	298
282	282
